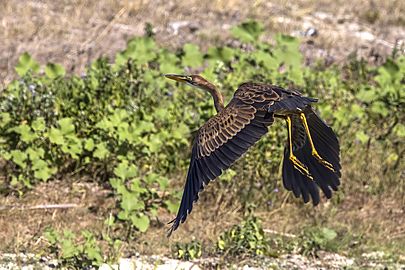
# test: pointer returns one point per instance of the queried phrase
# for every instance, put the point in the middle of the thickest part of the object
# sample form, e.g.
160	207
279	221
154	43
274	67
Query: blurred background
94	145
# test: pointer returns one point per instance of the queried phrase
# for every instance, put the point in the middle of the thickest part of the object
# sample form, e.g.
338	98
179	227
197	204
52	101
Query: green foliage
246	238
140	50
192	56
73	250
54	70
187	251
315	239
26	64
248	31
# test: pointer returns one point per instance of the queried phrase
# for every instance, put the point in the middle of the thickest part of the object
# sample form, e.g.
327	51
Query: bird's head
192	80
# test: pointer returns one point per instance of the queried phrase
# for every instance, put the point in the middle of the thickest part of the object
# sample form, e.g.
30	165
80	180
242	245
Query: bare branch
41	206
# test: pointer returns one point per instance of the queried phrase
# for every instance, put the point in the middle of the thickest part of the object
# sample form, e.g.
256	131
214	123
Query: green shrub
73	252
248	238
187	251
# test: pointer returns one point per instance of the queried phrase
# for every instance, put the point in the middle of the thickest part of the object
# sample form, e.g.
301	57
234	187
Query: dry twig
40	206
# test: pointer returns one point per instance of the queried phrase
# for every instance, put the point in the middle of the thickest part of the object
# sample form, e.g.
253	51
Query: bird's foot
298	165
325	163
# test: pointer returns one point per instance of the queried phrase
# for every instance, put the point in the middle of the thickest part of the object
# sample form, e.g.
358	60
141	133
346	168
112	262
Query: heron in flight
311	155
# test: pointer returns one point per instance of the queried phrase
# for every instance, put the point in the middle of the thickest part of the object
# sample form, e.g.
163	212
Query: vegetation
123	124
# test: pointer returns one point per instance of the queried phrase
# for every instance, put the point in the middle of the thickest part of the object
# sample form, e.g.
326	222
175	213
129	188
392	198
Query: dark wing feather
326	143
226	137
218	144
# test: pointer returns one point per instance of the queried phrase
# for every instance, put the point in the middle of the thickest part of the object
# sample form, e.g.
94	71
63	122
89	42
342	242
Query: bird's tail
327	145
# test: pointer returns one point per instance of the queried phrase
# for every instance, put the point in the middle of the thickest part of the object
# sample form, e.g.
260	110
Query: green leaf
367	94
172	206
73	146
52	236
94	254
42	171
136	187
399	130
266	59
163	182
141	222
35	153
221	244
123	215
5	118
66	126
26	135
19	158
39	164
54	70
56	136
25	64
180	132
224	54
105	124
118	185
125	171
192	56
38	124
362	137
248	32
140	49
68	249
328	234
154	143
388	73
287	54
168	62
89	144
101	151
380	108
131	203
109	221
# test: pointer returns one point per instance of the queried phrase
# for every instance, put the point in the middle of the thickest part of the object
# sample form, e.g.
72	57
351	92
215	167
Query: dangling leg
297	164
314	152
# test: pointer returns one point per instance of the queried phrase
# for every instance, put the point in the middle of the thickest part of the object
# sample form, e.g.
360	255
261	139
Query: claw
325	163
321	160
298	165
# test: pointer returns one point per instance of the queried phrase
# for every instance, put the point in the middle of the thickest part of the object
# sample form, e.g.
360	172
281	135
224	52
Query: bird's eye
189	79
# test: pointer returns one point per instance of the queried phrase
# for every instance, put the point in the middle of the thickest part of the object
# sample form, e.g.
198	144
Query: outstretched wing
219	143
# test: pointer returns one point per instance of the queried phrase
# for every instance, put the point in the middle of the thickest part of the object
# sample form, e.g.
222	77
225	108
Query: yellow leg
314	152
297	164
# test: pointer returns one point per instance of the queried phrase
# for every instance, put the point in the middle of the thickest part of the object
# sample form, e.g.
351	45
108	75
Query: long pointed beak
177	77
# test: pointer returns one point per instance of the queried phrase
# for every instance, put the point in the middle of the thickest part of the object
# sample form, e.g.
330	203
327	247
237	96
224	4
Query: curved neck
217	96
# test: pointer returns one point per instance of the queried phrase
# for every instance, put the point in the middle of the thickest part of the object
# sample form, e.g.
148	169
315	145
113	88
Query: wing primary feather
240	142
226	155
204	172
218	161
235	148
211	166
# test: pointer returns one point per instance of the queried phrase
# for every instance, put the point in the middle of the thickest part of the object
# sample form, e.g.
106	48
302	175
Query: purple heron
311	156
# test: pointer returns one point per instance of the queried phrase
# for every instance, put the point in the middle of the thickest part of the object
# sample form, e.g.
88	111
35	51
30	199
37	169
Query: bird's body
227	136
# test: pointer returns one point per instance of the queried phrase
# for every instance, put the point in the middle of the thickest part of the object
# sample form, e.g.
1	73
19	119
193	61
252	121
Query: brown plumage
227	136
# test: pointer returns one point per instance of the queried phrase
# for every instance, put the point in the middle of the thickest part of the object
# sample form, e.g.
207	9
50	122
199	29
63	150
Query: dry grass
378	220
